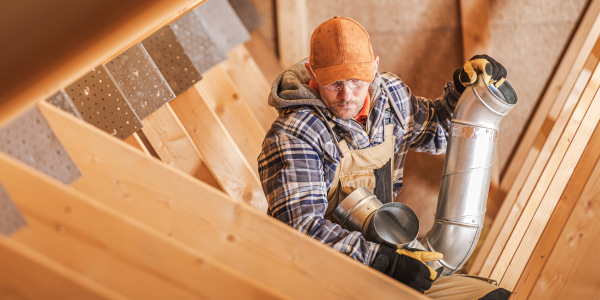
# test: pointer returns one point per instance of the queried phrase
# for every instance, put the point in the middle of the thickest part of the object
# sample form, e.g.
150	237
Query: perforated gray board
198	42
31	140
101	104
61	100
140	80
11	218
223	22
247	13
172	60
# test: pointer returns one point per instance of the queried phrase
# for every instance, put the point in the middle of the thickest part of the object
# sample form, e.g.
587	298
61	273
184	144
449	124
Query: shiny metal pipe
467	173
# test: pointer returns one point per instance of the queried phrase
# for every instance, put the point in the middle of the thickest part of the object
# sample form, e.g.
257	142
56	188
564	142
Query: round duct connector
354	211
395	225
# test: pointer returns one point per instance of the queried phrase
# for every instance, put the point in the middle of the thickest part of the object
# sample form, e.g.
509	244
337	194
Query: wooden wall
421	42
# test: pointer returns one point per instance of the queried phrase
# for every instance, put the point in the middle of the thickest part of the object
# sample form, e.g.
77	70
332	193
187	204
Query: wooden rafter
191	212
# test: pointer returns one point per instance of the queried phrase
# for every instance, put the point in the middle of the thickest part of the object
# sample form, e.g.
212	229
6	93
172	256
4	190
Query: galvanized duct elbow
467	172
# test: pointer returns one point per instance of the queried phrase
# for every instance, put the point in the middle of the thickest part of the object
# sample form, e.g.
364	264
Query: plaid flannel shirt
299	159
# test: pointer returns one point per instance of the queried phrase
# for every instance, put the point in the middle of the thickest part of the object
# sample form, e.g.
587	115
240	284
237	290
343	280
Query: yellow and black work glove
493	72
408	266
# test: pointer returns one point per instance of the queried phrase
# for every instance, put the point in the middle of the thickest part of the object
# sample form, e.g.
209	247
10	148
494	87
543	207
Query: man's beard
346	113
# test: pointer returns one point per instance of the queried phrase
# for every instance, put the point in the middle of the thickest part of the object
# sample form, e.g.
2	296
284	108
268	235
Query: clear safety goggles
353	84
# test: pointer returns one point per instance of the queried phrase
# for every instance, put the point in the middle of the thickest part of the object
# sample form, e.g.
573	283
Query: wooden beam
174	145
582	182
251	83
570	269
191	212
563	80
88	34
134	140
552	181
233	111
26	274
475	27
543	120
293	37
519	194
112	248
222	154
264	57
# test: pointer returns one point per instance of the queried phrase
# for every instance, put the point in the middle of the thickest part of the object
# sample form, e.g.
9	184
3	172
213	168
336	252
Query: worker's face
345	103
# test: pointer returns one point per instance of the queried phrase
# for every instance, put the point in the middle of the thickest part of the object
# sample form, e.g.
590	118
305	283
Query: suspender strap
393	104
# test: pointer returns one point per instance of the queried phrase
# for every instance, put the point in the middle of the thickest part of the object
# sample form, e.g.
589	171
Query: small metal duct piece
393	224
467	172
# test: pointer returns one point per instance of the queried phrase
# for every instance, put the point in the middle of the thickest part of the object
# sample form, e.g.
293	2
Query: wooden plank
251	83
26	274
557	92
112	248
570	269
475	27
582	181
264	57
134	140
544	118
189	211
293	37
174	145
517	198
220	151
553	179
84	38
233	111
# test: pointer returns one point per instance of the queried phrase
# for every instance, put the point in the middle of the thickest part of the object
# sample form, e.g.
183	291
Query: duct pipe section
467	172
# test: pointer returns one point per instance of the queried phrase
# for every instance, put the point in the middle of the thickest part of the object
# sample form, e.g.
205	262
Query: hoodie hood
291	88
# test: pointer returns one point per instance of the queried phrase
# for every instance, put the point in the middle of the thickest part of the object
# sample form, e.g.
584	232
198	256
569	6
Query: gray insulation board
247	14
30	139
139	79
100	103
11	218
198	42
224	23
172	60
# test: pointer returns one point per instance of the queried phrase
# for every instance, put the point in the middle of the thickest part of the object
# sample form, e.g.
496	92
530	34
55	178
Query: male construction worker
342	125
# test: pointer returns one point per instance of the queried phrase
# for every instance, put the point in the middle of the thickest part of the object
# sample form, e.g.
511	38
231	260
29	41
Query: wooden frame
199	216
532	168
29	275
110	247
224	158
552	181
75	45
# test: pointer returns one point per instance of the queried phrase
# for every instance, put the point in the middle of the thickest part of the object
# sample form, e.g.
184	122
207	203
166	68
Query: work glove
408	266
493	72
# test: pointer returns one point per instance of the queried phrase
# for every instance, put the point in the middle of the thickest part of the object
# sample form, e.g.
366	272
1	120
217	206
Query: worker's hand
407	266
493	72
